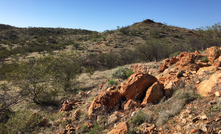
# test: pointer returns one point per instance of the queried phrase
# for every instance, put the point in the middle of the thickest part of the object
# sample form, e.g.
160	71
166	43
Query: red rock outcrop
70	104
204	71
142	68
210	86
201	63
187	60
170	61
103	101
154	94
131	105
161	69
121	128
212	53
136	85
167	63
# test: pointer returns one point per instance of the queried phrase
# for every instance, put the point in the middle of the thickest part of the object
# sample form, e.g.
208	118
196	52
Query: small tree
41	79
64	69
33	82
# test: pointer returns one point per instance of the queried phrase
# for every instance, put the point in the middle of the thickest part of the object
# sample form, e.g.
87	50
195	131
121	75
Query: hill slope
47	69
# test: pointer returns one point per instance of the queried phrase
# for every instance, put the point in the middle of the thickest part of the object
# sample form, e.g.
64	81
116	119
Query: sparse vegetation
205	59
112	82
141	117
40	67
121	72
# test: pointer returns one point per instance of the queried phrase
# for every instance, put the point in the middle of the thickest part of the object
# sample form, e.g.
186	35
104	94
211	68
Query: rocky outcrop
104	101
154	94
70	104
204	72
146	128
143	68
136	85
210	86
131	105
121	128
212	53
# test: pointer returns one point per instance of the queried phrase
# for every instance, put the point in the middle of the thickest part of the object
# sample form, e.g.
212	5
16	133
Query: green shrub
7	68
175	54
155	34
120	72
96	129
89	71
133	131
125	30
41	80
140	118
22	122
84	127
112	82
205	59
129	73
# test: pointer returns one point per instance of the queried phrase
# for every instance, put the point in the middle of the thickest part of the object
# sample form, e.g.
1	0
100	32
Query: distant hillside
142	41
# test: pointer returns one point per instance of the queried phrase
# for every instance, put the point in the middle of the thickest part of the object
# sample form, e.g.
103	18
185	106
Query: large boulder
154	94
187	61
136	85
121	128
212	53
103	101
210	86
205	71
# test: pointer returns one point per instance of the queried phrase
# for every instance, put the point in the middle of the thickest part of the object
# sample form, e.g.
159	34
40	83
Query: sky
100	15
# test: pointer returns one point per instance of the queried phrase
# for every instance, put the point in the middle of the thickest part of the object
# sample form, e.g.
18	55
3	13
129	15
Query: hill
145	78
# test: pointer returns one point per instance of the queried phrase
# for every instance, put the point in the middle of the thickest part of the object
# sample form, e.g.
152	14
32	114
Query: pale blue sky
101	15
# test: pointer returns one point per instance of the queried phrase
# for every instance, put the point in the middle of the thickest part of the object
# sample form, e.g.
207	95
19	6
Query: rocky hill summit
182	96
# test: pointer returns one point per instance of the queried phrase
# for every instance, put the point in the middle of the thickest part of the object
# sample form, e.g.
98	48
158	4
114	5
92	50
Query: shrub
112	82
32	81
175	54
22	122
124	30
155	34
129	73
120	72
205	59
133	131
141	117
89	71
176	103
7	68
42	79
96	129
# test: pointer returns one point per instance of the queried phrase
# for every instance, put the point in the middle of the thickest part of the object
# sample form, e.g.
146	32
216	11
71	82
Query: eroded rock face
162	68
70	104
121	128
169	89
103	101
205	71
130	105
212	53
210	86
154	94
142	68
136	85
170	61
